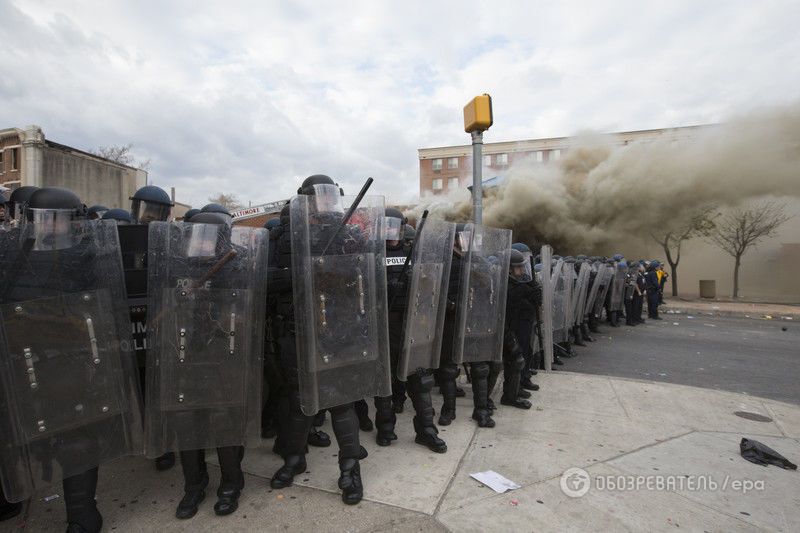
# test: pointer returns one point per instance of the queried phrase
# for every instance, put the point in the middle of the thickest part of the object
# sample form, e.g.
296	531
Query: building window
487	160
452	162
502	159
2	167
436	164
555	155
452	183
436	184
15	159
539	156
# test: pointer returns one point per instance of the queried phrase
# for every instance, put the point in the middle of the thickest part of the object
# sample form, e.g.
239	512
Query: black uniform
448	370
50	274
295	425
419	383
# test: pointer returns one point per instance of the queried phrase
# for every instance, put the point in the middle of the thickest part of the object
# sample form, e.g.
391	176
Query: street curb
729	313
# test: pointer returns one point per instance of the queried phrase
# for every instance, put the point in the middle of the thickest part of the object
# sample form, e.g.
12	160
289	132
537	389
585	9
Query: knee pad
449	372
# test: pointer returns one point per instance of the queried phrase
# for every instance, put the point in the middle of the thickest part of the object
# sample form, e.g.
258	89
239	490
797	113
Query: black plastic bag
761	454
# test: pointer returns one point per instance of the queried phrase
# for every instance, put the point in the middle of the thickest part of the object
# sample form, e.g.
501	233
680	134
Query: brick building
442	170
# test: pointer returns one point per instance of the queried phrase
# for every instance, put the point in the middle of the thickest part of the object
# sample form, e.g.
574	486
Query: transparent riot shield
618	286
559	304
205	335
604	275
593	287
579	297
547	306
481	308
69	396
427	297
339	284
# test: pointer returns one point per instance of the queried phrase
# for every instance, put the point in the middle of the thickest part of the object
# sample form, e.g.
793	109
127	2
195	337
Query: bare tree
122	154
739	229
228	201
699	223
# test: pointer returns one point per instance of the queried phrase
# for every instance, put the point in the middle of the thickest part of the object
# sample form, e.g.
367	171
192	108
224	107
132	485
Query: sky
250	97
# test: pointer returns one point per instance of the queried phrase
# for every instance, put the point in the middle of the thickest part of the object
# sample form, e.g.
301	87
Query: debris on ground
761	454
495	481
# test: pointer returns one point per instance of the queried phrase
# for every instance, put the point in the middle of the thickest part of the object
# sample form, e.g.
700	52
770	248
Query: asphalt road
751	356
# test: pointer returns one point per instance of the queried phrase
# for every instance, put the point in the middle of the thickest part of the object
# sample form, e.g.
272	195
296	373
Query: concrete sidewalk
723	308
634	431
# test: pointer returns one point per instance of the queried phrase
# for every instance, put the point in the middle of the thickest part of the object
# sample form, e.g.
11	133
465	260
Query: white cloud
249	97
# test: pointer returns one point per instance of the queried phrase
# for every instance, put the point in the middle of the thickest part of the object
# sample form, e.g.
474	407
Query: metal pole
477	177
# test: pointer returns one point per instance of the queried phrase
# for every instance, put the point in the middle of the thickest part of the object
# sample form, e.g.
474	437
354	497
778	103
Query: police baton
349	214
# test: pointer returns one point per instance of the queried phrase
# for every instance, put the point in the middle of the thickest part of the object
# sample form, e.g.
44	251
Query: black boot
447	386
513	365
385	421
8	510
79	493
350	481
232	480
429	436
319	418
585	332
292	466
195	476
494	372
578	338
480	395
593	325
318	438
527	384
362	410
165	462
522	393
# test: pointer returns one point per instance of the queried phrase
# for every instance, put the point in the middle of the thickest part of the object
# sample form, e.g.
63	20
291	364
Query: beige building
28	158
444	169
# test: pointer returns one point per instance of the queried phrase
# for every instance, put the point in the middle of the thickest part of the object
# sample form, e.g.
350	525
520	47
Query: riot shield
547	306
569	290
559	305
427	297
618	286
594	287
579	297
607	274
481	307
205	335
340	300
69	395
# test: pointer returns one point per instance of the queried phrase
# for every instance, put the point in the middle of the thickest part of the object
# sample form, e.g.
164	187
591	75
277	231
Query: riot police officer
149	204
520	312
420	382
61	255
294	430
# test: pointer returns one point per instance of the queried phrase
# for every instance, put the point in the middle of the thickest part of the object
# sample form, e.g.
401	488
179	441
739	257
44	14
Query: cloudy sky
249	97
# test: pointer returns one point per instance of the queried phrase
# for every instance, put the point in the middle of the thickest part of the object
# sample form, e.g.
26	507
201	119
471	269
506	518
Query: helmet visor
145	212
327	198
394	228
52	229
521	272
202	241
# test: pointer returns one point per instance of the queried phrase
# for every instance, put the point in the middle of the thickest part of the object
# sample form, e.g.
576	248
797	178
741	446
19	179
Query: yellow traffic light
478	114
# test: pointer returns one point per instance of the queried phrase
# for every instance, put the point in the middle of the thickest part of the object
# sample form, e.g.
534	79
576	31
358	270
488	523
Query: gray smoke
598	196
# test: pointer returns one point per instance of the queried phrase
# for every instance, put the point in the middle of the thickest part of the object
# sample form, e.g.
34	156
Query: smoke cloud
599	196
